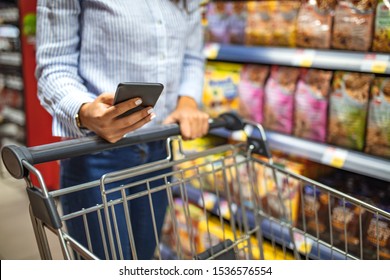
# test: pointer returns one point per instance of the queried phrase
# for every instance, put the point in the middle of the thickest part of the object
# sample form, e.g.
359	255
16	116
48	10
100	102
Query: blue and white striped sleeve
193	65
61	90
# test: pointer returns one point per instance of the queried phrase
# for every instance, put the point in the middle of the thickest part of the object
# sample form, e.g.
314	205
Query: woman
85	48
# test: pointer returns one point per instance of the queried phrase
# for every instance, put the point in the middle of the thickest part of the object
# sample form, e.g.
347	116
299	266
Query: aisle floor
17	239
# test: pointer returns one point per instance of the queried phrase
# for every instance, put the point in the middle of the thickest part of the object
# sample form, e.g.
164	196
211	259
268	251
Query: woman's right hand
101	117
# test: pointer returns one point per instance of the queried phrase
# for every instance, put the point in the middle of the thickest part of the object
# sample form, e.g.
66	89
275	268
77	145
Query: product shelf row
272	230
366	62
326	154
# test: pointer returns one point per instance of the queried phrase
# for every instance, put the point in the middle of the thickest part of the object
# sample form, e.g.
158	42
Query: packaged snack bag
378	232
378	127
311	104
258	29
285	24
382	27
220	93
345	216
314	24
279	193
251	91
315	210
348	219
237	21
348	109
187	222
279	99
353	25
217	23
272	23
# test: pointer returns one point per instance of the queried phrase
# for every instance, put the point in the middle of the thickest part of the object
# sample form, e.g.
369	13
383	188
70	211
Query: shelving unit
271	230
12	115
323	153
323	59
23	121
296	57
353	161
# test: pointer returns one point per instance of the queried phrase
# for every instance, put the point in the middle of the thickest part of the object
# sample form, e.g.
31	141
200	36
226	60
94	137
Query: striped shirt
86	47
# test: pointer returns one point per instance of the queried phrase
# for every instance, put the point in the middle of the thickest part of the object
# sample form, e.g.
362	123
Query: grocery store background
315	74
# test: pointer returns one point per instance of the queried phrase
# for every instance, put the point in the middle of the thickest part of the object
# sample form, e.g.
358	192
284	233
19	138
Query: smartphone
148	92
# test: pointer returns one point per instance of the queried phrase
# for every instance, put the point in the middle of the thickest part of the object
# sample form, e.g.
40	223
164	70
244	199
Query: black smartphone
148	92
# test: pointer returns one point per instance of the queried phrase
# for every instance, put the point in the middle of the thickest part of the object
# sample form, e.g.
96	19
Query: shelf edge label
334	157
375	63
211	51
303	58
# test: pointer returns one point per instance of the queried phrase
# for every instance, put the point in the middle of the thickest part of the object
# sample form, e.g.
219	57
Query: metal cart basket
227	202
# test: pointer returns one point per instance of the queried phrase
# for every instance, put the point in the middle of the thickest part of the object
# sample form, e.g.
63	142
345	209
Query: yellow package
196	172
211	232
272	23
220	92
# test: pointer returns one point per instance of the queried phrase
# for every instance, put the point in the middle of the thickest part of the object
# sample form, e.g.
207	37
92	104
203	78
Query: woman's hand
193	122
101	117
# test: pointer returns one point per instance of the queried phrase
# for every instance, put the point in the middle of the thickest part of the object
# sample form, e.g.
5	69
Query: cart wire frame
232	194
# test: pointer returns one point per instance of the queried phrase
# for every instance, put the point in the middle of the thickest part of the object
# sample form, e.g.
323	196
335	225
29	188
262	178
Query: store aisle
17	239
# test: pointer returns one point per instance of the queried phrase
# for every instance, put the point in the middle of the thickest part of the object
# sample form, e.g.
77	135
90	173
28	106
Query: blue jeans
91	167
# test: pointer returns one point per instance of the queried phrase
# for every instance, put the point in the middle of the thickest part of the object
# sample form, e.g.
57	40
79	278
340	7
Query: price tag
334	157
379	66
208	200
375	63
302	243
303	58
239	135
211	51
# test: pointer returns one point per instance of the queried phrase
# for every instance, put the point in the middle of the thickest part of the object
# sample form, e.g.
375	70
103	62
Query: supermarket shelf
10	59
333	156
353	161
271	230
312	58
10	69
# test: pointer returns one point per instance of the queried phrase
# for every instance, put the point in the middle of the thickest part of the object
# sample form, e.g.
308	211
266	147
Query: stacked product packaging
346	109
361	25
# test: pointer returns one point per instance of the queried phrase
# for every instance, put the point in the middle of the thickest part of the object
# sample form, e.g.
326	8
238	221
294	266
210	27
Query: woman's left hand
193	122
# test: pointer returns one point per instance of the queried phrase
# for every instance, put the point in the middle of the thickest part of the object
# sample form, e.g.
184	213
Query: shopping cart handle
13	156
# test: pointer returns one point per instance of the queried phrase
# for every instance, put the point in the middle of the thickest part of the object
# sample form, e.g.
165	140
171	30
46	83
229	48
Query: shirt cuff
64	123
192	82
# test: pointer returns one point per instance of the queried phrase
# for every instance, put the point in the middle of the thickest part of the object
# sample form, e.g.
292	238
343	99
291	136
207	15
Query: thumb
107	98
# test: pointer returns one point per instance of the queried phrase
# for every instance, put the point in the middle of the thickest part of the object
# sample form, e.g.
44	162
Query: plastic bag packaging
348	109
382	27
272	23
314	24
378	126
279	99
311	104
353	25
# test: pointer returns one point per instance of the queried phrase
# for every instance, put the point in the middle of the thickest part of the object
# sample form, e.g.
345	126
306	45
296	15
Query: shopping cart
227	202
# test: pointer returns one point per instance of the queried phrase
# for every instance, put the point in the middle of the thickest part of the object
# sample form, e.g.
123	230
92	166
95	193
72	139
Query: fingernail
150	111
152	116
138	102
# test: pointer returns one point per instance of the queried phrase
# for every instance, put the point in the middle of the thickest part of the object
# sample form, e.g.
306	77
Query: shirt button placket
162	51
